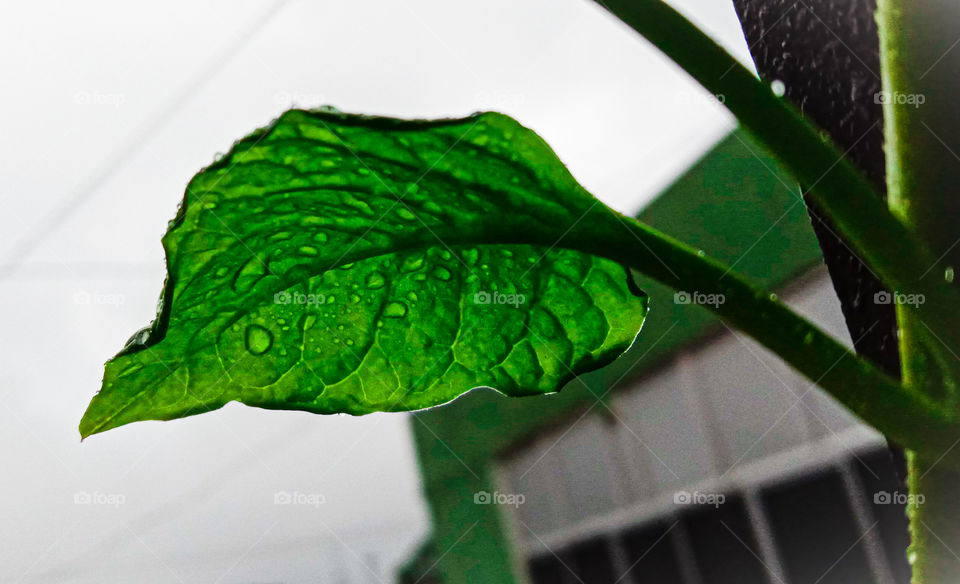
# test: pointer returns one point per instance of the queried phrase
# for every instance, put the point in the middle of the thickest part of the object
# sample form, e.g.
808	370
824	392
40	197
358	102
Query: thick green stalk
934	525
862	387
889	247
921	85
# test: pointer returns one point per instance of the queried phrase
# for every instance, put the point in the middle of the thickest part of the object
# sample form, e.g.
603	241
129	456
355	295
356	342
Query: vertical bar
766	541
687	558
866	523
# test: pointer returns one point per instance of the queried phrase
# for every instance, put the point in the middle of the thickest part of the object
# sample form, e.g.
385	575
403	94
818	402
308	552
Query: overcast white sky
109	107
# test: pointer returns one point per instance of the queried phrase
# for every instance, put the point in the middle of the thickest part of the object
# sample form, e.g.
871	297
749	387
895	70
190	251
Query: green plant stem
885	243
923	168
862	387
934	528
922	129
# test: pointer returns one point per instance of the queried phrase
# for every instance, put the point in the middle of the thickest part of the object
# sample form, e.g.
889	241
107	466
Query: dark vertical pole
826	54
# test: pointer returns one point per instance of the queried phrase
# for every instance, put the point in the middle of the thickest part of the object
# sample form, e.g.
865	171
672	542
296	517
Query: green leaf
341	263
397	226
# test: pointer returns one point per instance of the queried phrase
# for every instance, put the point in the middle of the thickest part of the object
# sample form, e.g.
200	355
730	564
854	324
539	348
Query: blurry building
698	458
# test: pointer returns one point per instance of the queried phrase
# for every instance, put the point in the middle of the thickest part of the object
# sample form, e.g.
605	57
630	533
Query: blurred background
109	108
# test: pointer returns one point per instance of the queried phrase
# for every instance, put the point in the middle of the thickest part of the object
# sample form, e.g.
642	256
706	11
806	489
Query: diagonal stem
896	410
889	247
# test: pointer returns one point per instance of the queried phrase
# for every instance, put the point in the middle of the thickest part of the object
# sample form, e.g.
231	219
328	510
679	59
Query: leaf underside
342	263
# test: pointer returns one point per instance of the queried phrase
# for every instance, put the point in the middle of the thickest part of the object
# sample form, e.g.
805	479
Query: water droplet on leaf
258	339
412	264
131	368
442	273
375	280
395	310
